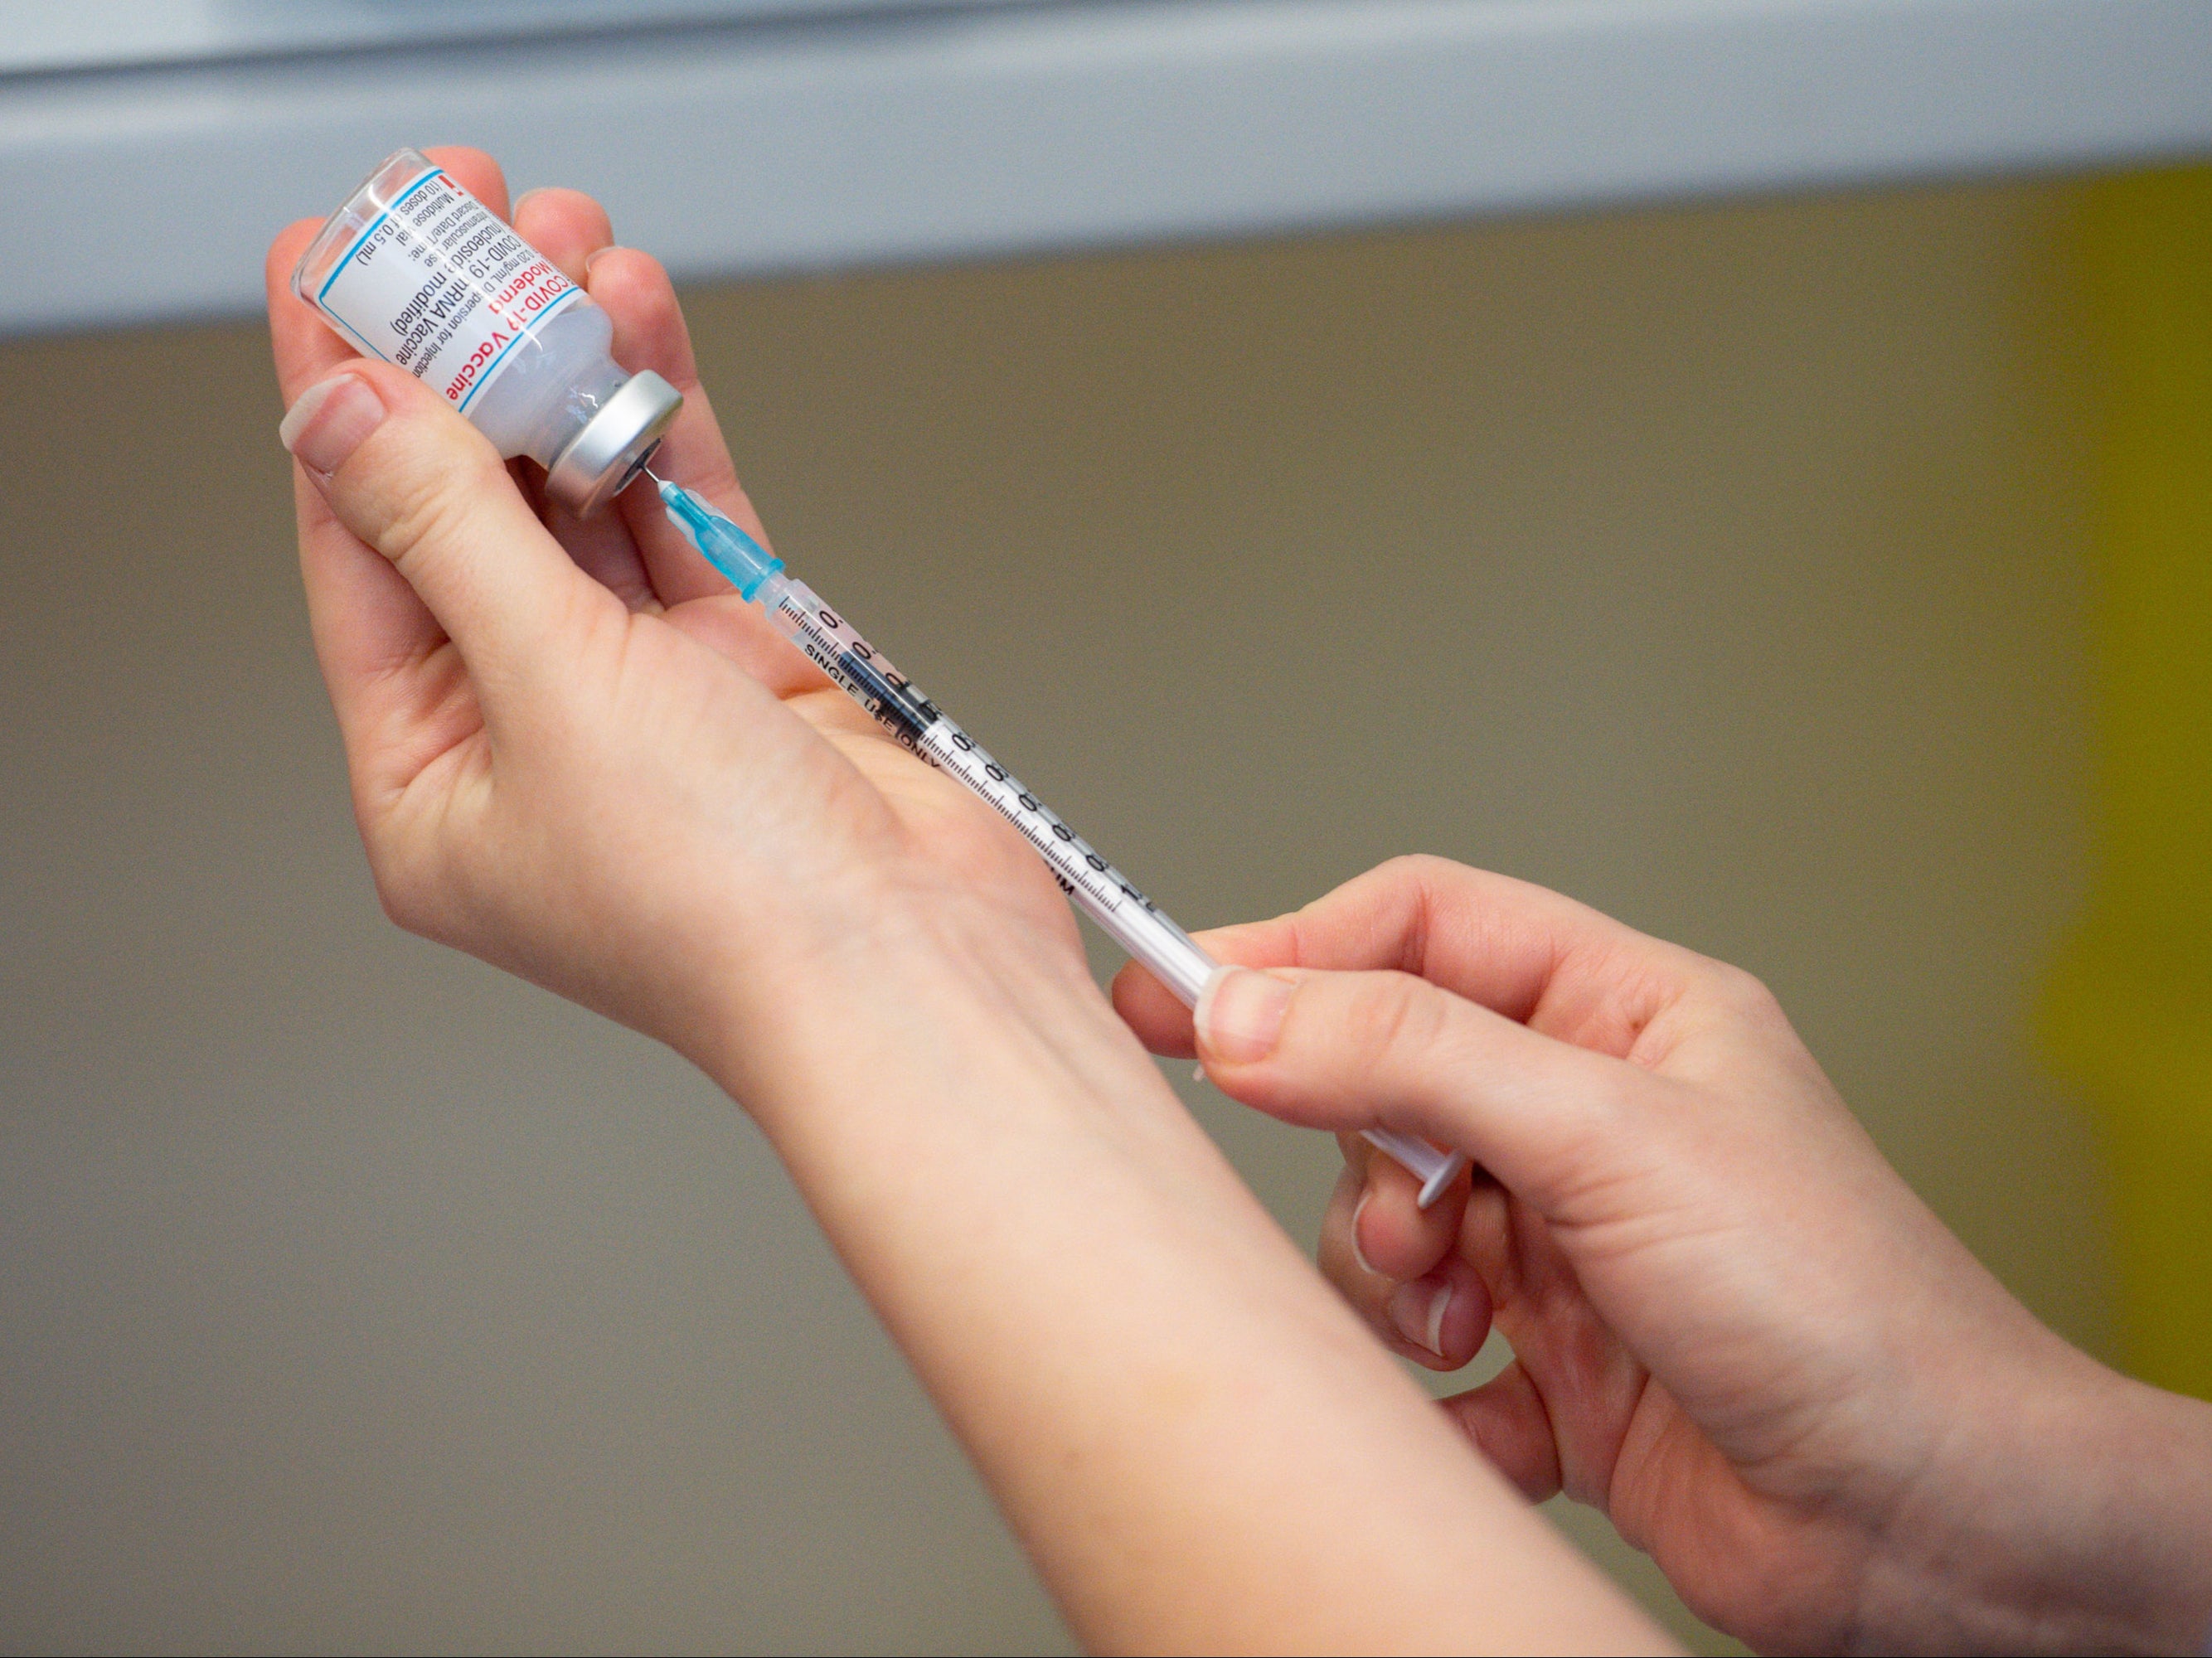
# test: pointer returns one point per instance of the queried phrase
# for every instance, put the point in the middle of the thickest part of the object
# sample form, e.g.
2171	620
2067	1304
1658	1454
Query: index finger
650	332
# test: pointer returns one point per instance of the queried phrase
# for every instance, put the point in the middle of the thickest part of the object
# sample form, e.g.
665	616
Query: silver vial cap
614	444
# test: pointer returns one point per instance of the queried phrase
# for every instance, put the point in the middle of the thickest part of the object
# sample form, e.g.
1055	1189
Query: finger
1519	950
1350	1051
397	697
1440	1320
474	171
1157	1015
1395	1235
604	549
650	334
568	226
1507	1419
407	476
1426	1304
366	622
307	348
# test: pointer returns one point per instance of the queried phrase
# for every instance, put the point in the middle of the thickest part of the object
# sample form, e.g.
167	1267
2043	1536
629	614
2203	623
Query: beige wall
1720	567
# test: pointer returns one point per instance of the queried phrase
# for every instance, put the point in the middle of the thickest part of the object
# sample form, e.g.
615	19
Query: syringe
1099	889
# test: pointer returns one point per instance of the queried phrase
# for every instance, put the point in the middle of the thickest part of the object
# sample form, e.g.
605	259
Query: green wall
2130	1010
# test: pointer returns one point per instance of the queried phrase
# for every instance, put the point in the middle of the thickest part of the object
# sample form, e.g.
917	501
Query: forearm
2150	1513
1196	1441
2124	1535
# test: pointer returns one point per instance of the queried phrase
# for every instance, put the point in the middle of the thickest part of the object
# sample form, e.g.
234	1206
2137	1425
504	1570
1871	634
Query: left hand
575	751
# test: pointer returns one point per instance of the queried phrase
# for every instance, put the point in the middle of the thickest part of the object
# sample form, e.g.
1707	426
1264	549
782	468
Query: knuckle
652	270
424	509
1417	869
1610	1093
1390	877
1426	864
408	888
400	893
1394	1013
1744	994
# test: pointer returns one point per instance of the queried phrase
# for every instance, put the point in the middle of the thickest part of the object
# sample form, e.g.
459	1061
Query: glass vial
416	270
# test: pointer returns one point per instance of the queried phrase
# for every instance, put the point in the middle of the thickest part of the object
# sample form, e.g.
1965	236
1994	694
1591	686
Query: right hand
1735	1328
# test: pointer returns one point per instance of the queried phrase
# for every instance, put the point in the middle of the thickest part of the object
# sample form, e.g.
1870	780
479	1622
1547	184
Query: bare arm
1198	1443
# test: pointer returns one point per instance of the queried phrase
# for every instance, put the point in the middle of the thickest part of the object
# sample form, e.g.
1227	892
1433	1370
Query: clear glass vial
416	270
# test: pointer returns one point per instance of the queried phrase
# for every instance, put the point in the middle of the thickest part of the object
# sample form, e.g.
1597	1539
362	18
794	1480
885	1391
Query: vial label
439	286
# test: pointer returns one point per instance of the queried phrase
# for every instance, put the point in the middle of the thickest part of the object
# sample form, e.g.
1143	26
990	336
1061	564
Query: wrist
2073	1512
920	990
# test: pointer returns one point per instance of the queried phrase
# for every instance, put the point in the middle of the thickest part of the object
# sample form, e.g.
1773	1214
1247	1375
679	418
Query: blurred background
1773	538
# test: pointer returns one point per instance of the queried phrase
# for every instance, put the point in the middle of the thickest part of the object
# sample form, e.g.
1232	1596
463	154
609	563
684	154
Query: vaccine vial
417	271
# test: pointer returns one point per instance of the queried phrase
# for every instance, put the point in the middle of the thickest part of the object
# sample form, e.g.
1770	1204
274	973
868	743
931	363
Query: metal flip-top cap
614	444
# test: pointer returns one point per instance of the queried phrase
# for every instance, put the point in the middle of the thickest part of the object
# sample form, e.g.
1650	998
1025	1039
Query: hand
1736	1330
575	750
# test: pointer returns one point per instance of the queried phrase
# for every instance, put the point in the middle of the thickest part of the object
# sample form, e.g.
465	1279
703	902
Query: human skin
1735	1329
576	753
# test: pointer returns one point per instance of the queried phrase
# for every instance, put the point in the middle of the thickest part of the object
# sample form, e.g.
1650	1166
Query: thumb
1350	1051
410	477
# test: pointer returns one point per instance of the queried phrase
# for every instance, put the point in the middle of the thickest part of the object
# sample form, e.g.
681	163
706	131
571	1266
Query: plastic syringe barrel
1099	889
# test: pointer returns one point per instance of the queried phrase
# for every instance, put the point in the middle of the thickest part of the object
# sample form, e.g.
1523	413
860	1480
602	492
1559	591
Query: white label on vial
441	287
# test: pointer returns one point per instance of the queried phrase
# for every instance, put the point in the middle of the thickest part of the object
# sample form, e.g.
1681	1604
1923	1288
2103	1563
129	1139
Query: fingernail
1240	1013
1418	1309
514	213
330	421
1358	1254
597	254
